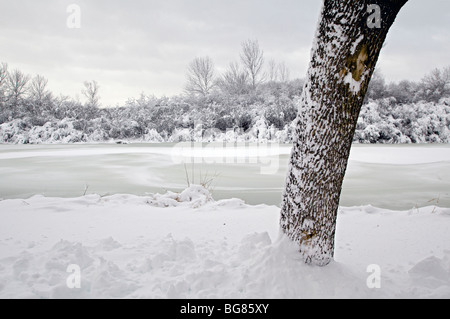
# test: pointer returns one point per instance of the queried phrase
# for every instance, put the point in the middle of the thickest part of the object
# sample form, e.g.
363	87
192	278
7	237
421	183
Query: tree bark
346	48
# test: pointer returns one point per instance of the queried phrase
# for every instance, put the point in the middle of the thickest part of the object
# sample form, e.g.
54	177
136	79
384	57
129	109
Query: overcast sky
137	46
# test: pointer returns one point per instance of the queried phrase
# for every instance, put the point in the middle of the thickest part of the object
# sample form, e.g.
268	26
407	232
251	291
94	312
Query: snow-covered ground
190	245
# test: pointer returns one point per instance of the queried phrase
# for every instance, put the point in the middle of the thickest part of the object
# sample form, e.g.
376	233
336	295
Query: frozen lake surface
393	177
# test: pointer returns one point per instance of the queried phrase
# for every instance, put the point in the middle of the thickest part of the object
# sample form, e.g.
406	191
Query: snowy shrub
394	113
371	134
183	135
386	121
224	122
152	136
260	130
195	196
285	135
244	121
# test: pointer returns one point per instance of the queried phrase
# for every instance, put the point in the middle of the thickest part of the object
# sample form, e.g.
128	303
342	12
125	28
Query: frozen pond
397	177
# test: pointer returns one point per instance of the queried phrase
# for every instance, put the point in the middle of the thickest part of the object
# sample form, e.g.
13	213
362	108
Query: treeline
432	88
262	109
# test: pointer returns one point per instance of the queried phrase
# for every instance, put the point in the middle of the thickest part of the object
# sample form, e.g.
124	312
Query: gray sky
137	46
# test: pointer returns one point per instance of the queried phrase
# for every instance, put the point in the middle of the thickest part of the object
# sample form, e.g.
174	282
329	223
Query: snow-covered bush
399	114
152	136
386	121
194	196
183	135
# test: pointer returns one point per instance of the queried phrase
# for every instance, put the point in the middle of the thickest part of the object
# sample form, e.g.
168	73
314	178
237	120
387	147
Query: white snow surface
187	245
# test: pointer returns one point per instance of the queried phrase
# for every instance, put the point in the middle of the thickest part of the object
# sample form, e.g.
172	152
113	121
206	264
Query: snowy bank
188	245
382	121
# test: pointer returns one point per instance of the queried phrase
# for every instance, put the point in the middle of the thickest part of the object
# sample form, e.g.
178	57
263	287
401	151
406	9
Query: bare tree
348	42
17	87
252	58
283	72
277	72
3	82
377	86
200	76
91	92
403	92
234	81
39	91
272	71
436	85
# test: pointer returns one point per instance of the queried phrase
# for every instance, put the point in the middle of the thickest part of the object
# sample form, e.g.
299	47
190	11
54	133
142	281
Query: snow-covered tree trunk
347	44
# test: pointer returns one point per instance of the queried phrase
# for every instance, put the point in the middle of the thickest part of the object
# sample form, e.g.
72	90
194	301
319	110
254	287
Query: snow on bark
344	55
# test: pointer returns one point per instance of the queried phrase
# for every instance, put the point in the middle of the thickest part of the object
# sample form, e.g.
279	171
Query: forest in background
251	101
